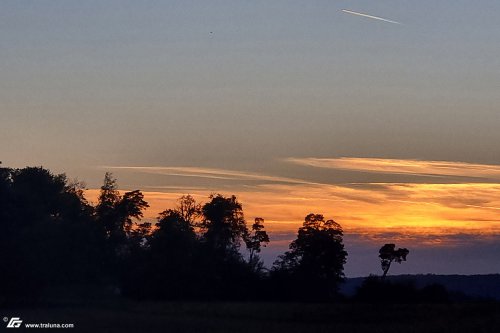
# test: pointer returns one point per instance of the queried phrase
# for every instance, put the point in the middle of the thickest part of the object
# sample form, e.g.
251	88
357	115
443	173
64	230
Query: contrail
369	16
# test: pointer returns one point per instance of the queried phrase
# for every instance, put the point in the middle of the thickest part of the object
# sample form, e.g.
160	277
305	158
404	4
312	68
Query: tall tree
109	198
257	238
116	212
223	224
223	230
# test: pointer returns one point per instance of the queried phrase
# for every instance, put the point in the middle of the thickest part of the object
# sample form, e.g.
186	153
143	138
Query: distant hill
475	286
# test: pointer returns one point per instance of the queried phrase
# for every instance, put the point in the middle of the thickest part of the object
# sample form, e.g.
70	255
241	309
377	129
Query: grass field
265	317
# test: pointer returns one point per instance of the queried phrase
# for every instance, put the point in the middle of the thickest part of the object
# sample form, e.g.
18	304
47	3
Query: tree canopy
316	257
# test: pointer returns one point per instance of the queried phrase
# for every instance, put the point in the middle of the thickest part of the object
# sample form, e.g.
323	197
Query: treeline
52	237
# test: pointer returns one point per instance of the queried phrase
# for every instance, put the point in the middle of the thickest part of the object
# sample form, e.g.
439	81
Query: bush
377	290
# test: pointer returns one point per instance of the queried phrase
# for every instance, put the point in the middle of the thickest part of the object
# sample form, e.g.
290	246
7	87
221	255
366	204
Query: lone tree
388	254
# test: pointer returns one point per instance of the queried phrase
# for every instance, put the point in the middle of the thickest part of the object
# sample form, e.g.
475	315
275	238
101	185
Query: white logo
14	322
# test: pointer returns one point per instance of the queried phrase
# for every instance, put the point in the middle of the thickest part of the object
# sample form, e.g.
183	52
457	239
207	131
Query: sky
294	106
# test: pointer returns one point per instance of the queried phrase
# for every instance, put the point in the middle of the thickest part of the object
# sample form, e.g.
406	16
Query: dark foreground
264	317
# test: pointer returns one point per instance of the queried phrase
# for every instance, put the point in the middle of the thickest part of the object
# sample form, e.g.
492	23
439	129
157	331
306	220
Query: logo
14	322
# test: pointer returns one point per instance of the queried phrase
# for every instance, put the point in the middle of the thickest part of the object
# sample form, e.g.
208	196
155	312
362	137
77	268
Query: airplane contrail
369	16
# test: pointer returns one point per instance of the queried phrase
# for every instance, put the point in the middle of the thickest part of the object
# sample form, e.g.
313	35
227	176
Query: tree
173	228
254	241
223	224
167	263
188	210
48	237
316	258
116	212
388	254
227	275
131	206
109	198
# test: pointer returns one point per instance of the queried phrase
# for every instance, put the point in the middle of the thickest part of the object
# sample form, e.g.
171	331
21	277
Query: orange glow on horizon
424	211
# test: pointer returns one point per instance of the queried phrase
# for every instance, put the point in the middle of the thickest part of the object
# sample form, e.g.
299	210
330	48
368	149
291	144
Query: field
265	317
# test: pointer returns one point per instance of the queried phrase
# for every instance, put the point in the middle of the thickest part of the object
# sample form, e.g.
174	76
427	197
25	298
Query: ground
126	316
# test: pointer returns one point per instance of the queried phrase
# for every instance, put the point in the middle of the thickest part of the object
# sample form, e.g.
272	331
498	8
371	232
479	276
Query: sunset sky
294	106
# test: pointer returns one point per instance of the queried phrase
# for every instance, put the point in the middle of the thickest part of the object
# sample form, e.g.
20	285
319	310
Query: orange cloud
411	167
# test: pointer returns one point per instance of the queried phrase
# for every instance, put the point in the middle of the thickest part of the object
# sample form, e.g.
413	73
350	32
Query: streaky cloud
400	166
210	173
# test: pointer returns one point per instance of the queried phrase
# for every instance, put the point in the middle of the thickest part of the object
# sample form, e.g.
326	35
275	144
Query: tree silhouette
109	198
189	210
227	275
223	223
255	240
48	237
53	238
193	252
388	254
116	212
168	262
316	257
173	229
131	206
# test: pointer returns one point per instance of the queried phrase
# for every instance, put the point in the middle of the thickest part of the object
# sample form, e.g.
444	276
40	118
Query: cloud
413	213
210	173
413	207
409	167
